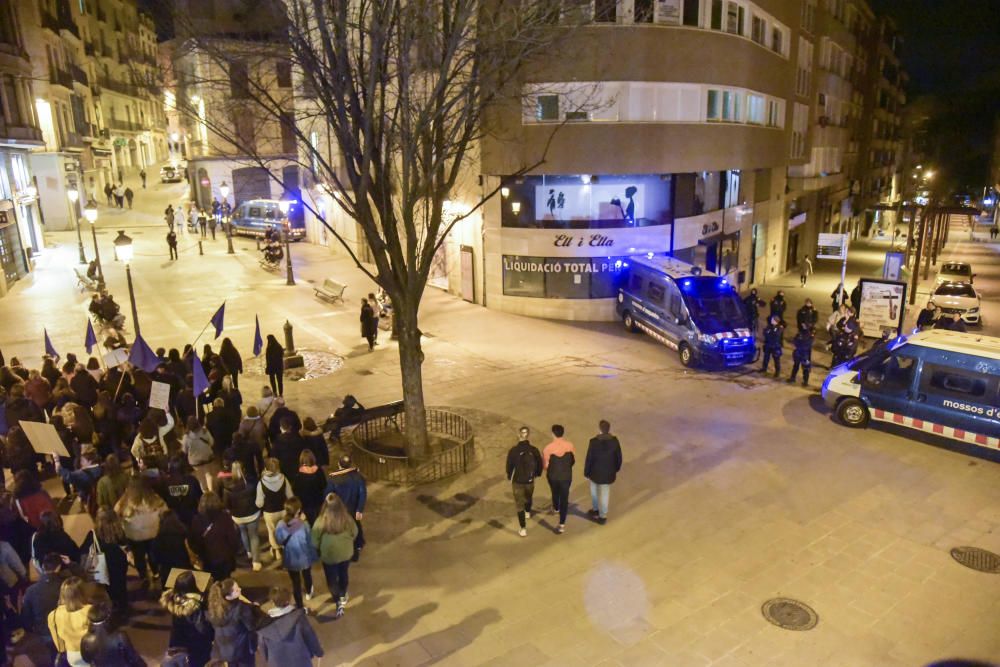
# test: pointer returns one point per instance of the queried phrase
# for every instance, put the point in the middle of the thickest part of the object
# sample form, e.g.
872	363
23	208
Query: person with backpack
558	458
298	555
604	460
198	445
288	638
272	492
140	509
524	464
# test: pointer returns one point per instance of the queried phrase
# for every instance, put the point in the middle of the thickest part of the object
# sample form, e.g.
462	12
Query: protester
558	458
106	543
286	446
140	509
169	548
68	622
189	627
233	619
524	464
313	440
333	537
214	537
287	638
30	499
107	647
42	597
272	491
309	485
233	360
52	538
349	485
274	356
298	555
111	485
239	497
183	490
198	446
604	461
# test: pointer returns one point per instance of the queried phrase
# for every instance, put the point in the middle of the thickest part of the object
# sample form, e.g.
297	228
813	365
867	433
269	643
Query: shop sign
578	240
585	265
668	12
585	242
697	228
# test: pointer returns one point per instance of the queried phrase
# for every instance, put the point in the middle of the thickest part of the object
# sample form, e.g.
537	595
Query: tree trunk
411	359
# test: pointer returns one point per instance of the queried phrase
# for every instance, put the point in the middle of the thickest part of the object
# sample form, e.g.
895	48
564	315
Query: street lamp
90	213
123	248
74	196
285	205
224	191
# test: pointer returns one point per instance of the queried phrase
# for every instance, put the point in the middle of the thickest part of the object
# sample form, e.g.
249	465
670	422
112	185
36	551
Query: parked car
960	298
171	174
955	272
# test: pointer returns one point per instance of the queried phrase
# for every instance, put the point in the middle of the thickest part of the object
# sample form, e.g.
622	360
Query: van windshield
713	305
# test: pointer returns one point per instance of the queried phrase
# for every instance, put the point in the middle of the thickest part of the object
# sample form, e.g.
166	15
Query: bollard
257	239
292	358
201	251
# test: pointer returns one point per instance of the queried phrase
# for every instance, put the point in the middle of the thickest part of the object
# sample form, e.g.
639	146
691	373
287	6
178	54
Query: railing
456	458
125	125
78	75
21	132
59	77
49	21
72	140
118	86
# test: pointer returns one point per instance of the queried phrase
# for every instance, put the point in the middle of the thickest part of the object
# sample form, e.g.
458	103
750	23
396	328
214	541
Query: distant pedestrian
274	356
837	297
604	461
994	231
524	464
856	298
120	196
805	269
376	313
773	334
558	458
168	215
178	222
369	327
802	353
778	307
142	175
202	222
193	219
108	192
172	242
333	537
212	221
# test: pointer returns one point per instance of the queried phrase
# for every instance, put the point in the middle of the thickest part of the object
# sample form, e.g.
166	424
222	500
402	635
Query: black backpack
525	467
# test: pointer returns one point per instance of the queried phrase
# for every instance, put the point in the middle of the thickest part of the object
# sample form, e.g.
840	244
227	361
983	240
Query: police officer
802	346
778	307
752	304
773	334
807	315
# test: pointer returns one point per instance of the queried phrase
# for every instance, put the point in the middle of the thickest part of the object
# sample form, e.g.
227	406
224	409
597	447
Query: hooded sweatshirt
558	458
289	638
68	627
272	491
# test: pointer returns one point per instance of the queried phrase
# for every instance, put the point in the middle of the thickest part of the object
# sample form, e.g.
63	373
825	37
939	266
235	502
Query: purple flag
258	342
49	349
198	371
220	314
91	339
141	356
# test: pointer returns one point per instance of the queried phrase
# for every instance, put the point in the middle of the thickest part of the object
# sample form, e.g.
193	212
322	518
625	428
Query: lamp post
285	205
90	213
224	191
74	196
123	248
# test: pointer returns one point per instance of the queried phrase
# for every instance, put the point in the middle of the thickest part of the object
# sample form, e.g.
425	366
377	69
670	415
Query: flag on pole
141	356
258	342
91	340
217	319
49	349
198	371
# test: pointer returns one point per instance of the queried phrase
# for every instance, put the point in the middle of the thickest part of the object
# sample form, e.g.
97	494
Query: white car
955	272
961	298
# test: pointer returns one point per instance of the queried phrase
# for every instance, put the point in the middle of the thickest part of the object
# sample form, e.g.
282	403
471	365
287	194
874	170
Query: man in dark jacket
752	303
84	386
927	316
524	464
287	638
807	315
281	411
558	458
350	486
604	460
773	334
287	447
183	490
802	353
42	597
222	424
778	307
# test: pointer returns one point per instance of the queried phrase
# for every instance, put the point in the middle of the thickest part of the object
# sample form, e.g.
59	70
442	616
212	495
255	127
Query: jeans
140	552
522	499
600	494
560	497
298	577
271	520
336	578
251	539
277	381
173	252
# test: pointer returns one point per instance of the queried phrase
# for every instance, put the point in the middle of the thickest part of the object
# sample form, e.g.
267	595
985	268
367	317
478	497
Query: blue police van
937	381
255	216
695	312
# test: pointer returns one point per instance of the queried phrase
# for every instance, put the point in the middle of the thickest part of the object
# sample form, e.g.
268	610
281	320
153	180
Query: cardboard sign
44	438
159	395
201	579
116	357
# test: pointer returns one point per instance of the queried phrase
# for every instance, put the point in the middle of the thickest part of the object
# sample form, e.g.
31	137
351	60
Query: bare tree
403	90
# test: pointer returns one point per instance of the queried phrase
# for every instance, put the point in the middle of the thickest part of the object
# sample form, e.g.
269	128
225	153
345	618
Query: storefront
13	262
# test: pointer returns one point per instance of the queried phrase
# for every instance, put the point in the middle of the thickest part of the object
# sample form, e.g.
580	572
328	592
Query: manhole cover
789	614
977	559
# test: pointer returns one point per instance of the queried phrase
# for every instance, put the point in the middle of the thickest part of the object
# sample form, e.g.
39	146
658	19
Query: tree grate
977	559
789	614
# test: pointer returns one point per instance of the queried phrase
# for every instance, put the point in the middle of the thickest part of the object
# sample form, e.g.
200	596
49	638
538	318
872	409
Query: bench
84	282
331	290
386	413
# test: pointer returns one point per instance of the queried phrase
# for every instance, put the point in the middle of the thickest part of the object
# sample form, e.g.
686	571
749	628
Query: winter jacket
254	431
110	489
183	494
85	387
926	317
334	547
68	627
222	423
298	553
350	487
309	486
807	316
523	448
32	506
286	448
314	441
197	445
778	306
231	357
772	338
83	480
58	542
274	422
239	498
215	539
289	639
155	446
189	628
604	459
170	550
40	600
558	458
234	637
803	344
110	649
141	522
274	356
272	491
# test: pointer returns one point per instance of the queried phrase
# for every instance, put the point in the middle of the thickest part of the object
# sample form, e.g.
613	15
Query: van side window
655	293
957	383
635	284
676	307
254	212
894	374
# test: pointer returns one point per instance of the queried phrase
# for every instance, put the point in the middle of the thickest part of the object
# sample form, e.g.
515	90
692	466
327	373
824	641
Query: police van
255	216
692	311
938	381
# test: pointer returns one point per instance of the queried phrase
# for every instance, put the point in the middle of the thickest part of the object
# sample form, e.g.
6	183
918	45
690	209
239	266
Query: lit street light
90	213
123	249
224	212
285	205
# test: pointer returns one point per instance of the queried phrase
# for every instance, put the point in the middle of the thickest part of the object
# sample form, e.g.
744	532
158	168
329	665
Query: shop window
691	13
547	107
643	11
567	278
561	277
604	277
605	11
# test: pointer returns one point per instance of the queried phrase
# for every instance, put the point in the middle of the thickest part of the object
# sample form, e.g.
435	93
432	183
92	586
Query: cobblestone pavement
735	489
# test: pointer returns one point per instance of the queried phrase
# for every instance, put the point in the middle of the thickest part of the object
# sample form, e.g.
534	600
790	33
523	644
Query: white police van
692	311
938	381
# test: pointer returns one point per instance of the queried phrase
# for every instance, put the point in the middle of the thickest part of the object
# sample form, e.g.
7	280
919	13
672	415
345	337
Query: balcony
119	87
78	75
20	133
49	22
66	23
125	125
62	78
71	141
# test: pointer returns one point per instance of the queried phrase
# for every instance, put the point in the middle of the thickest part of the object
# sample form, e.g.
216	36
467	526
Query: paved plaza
735	489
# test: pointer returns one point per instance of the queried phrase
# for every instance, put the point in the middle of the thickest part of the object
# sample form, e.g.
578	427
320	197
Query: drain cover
977	559
789	614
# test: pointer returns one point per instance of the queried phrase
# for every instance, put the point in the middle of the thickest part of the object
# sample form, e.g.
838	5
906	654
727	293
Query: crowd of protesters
176	490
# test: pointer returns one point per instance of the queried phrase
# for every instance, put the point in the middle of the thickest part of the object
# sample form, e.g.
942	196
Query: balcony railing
49	22
125	125
20	132
72	140
119	87
61	78
79	75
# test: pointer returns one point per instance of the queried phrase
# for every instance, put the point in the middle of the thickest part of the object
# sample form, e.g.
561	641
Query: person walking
179	219
104	646
202	222
837	297
333	537
604	461
773	334
190	630
212	222
994	231
524	464
214	537
805	270
369	326
128	197
309	485
107	540
274	365
170	548
287	638
293	532
172	243
120	196
140	509
168	216
239	496
68	622
108	192
272	492
232	359
232	616
142	176
802	346
376	307
350	486
558	458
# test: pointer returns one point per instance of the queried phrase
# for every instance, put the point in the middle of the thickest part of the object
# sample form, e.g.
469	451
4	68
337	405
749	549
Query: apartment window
287	132
605	11
755	109
716	22
13	103
712	111
778	40
8	31
735	17
643	11
758	29
239	81
576	12
808	15
577	115
691	12
284	74
547	107
772	114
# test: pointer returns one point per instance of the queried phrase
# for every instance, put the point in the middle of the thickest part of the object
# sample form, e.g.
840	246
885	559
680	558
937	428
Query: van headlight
708	339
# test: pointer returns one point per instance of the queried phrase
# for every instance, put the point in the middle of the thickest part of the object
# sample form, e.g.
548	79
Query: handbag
95	563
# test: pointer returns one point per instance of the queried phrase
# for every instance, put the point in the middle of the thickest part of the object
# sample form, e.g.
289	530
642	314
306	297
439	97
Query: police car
938	381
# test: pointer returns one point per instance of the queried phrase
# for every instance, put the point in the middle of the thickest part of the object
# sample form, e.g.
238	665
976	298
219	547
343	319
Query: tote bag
95	563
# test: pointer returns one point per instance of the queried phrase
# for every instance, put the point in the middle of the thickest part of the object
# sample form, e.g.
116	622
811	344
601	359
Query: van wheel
687	356
630	323
853	412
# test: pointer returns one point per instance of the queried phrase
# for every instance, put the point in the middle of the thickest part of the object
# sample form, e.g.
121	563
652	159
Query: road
735	488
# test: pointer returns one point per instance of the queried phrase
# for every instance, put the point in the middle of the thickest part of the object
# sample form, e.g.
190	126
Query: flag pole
199	336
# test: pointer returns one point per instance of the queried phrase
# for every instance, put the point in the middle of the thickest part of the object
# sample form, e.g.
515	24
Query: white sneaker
527	515
309	594
561	529
256	566
523	532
